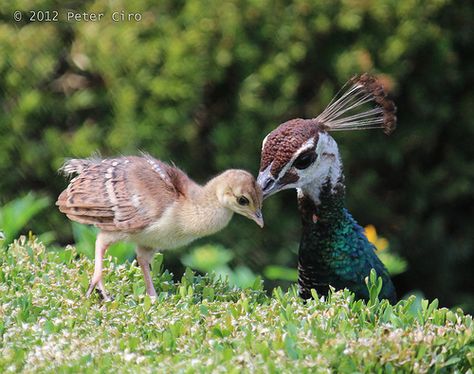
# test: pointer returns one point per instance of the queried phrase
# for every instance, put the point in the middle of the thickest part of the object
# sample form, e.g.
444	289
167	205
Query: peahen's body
300	153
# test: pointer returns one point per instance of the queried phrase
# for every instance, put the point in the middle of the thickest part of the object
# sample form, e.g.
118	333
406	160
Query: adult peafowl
301	154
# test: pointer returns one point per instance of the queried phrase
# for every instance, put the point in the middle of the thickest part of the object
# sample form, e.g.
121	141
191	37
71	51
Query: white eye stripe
264	141
304	147
307	145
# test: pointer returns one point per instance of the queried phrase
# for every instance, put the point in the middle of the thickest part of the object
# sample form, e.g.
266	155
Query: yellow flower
379	242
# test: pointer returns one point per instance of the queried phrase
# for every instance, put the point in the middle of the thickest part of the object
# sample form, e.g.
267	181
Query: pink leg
101	246
144	257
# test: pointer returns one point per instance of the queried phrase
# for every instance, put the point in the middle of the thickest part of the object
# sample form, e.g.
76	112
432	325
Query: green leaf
452	361
157	265
290	347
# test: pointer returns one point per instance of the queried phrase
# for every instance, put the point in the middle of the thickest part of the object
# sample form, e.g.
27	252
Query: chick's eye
242	200
304	160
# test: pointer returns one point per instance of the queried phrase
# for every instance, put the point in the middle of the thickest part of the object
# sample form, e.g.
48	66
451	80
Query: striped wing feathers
123	194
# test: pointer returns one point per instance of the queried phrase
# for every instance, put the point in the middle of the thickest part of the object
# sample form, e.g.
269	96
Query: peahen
301	154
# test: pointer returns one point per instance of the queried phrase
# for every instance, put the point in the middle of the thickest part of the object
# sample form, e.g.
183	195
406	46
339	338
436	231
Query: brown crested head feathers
346	111
285	140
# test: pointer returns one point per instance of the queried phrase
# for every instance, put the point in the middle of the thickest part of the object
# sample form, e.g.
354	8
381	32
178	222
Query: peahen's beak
267	183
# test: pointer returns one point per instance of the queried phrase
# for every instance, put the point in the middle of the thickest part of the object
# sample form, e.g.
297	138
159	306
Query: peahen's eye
304	160
242	200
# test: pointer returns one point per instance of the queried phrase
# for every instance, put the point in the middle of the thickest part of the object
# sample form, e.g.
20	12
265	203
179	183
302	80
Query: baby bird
152	204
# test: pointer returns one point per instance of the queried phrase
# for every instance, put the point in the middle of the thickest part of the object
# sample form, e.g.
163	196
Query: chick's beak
257	217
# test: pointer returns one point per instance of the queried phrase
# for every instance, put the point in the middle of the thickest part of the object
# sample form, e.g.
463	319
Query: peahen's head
301	154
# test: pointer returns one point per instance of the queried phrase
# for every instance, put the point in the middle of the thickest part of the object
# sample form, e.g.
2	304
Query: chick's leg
144	256
101	246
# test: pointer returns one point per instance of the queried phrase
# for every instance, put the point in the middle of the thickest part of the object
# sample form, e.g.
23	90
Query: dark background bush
200	83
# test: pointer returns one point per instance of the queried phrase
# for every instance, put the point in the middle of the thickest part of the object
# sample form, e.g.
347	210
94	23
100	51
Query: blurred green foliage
201	83
394	263
84	241
215	259
276	272
15	215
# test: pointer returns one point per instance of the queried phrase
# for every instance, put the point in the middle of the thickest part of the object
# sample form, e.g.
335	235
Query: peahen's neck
326	209
334	249
325	249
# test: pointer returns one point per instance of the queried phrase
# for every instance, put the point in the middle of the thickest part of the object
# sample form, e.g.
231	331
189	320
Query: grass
202	324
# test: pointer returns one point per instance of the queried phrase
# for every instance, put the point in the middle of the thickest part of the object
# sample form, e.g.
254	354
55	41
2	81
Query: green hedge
201	324
201	83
